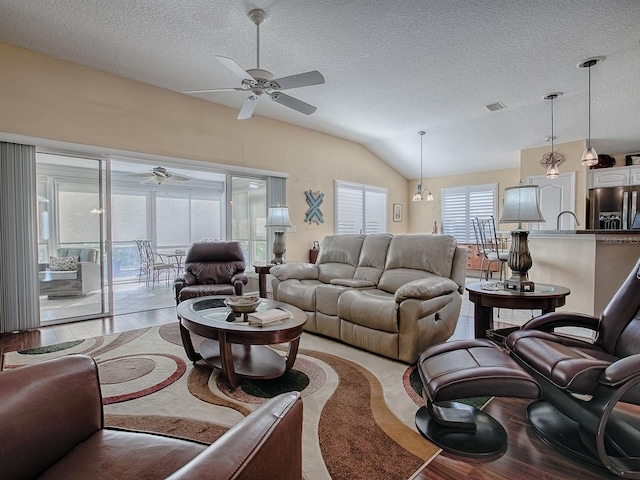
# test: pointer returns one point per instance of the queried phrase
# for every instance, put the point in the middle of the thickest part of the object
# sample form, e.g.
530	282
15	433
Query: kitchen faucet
562	213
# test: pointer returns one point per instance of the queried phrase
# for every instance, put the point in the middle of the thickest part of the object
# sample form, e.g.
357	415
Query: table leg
226	360
188	345
483	320
262	284
292	351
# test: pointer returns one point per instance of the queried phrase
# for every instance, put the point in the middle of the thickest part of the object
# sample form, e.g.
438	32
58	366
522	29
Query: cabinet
474	259
614	177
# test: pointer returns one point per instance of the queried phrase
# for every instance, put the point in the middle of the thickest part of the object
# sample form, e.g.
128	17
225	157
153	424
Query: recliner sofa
391	295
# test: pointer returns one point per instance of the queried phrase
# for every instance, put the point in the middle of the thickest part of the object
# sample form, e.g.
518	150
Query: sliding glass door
72	238
248	201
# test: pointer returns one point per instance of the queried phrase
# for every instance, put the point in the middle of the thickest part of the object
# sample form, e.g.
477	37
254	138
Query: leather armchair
586	384
211	268
52	427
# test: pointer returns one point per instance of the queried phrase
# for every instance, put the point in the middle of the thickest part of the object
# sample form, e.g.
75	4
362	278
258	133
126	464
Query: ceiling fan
160	176
258	81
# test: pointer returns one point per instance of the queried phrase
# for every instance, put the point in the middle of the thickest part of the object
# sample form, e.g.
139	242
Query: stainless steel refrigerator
613	208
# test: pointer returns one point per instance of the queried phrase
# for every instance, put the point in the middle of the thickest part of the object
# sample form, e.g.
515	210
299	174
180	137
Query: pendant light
552	168
589	156
419	195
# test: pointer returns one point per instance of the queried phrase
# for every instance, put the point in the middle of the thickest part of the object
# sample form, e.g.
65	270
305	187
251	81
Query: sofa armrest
47	410
426	288
299	271
265	444
353	283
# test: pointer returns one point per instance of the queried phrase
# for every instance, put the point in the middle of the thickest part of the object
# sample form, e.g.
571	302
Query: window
360	208
461	204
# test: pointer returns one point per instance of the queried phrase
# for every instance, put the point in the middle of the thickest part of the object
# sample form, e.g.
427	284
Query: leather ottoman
464	369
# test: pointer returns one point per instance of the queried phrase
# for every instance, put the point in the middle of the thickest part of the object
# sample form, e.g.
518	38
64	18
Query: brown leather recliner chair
211	268
586	385
51	426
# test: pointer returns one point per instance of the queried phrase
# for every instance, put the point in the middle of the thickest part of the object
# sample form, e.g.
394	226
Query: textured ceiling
392	68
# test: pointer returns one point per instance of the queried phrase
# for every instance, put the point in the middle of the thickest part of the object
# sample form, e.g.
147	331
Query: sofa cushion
412	257
373	257
299	293
338	257
63	264
373	308
426	288
111	453
431	253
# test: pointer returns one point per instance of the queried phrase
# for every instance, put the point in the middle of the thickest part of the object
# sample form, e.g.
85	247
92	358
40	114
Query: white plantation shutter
461	204
360	208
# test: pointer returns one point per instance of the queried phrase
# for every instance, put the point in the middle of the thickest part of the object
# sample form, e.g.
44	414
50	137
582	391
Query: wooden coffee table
235	347
544	297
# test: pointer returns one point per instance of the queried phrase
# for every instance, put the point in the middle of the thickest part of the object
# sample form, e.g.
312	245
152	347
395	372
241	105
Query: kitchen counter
592	263
584	232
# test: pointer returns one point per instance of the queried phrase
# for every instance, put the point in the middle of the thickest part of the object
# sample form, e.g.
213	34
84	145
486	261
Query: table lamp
521	205
278	217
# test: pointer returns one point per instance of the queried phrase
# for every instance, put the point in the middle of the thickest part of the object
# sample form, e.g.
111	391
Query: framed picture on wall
397	212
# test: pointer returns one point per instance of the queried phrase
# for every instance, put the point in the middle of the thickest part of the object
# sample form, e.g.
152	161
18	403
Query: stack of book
265	317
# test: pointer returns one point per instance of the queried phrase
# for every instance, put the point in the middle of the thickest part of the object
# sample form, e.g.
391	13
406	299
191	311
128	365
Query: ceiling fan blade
237	69
300	80
233	89
176	177
289	101
248	107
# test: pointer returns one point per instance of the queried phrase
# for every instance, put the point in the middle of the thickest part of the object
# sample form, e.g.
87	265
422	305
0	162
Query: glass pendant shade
429	196
552	170
417	197
589	157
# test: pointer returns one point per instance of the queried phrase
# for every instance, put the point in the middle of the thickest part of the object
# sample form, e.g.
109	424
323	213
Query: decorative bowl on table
242	304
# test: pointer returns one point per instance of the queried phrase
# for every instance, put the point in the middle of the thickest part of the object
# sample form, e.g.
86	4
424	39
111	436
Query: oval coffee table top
541	290
211	312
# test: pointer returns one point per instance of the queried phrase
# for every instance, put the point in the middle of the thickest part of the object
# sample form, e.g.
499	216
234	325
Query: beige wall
423	214
47	98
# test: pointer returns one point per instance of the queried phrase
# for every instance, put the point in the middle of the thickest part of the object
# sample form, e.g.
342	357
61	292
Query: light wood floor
526	458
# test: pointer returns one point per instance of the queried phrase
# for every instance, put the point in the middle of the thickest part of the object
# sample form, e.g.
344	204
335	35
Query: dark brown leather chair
211	268
51	426
589	389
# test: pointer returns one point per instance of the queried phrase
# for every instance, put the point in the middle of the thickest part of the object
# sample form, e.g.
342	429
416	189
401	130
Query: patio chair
149	266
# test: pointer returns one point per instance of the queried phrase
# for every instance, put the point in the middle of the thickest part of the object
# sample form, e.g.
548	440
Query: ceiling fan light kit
589	156
258	81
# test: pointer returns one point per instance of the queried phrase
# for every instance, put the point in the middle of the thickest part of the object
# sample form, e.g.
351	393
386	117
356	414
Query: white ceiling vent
494	107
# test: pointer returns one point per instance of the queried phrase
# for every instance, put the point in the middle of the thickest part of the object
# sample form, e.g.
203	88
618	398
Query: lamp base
279	248
519	262
519	283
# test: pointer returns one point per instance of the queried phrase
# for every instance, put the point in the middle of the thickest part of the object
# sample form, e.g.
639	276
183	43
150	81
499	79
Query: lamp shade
278	217
521	205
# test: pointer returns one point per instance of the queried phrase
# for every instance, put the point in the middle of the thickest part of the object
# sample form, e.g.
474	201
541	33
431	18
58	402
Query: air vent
494	107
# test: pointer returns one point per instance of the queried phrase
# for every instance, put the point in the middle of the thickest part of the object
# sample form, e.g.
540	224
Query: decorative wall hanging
314	200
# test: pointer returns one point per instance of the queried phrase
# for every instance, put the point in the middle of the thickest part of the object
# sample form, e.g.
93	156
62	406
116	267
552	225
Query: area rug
359	408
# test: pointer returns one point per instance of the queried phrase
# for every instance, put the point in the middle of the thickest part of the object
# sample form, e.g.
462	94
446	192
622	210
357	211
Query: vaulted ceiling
391	67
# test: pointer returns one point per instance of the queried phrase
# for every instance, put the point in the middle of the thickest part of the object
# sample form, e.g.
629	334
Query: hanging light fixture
419	195
589	156
554	160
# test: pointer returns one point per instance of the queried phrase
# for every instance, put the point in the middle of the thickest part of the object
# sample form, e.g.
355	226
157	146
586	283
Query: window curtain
19	288
276	195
